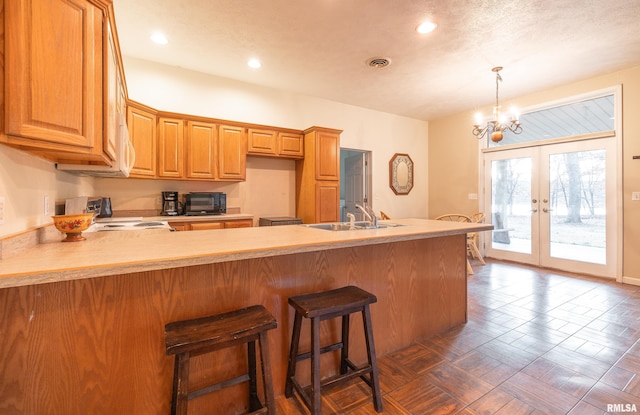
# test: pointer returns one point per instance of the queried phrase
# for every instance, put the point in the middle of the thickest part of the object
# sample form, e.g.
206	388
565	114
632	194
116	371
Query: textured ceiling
321	47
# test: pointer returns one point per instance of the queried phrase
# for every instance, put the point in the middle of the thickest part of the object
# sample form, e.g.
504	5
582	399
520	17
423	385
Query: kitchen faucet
370	214
352	221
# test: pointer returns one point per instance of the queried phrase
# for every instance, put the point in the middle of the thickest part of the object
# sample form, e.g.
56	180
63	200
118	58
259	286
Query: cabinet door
242	223
142	132
327	202
179	226
202	226
53	68
290	145
232	153
327	156
170	147
201	150
261	142
113	87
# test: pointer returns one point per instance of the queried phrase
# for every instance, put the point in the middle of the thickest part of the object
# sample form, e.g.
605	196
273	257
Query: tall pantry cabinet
318	176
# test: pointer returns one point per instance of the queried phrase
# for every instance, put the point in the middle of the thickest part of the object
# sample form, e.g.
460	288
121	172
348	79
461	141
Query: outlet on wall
1	210
635	195
47	206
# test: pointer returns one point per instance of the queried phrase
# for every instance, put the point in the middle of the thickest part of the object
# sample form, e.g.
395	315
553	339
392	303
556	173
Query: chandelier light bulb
479	118
515	114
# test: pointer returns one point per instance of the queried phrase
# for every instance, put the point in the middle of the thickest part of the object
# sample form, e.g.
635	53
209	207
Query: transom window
593	115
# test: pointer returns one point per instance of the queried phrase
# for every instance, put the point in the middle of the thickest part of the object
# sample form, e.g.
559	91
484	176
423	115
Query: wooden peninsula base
96	346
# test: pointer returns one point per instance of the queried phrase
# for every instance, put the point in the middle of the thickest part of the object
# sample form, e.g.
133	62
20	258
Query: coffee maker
170	204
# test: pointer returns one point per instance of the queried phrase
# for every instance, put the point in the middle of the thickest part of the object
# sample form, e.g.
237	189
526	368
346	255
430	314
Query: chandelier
499	123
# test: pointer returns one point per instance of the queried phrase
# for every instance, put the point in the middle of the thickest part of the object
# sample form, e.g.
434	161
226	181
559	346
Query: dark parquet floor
536	342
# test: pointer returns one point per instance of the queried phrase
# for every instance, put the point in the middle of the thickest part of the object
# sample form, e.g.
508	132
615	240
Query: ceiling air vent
378	62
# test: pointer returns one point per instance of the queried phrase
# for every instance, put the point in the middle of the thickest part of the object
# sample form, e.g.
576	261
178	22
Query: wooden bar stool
191	338
320	306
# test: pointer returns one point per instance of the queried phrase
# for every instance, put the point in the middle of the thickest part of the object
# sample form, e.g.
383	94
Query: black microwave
205	203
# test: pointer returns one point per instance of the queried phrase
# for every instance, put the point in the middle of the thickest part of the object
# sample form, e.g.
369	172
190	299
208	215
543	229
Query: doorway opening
355	182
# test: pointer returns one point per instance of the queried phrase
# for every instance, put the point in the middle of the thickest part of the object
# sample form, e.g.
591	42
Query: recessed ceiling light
159	38
254	63
426	27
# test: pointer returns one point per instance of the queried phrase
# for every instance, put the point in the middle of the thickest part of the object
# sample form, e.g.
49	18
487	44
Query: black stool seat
341	302
189	338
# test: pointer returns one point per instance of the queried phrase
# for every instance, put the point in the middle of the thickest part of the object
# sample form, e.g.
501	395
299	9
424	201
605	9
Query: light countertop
112	253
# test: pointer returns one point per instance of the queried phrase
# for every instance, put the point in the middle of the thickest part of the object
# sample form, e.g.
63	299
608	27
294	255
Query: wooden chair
472	238
458	217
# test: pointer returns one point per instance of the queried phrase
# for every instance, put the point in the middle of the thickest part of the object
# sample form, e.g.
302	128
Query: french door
554	206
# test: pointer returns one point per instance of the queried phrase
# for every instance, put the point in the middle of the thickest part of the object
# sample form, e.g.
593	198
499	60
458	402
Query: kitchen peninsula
83	323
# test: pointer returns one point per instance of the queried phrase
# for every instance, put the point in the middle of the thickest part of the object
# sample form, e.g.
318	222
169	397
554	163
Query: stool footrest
358	372
330	348
218	386
304	392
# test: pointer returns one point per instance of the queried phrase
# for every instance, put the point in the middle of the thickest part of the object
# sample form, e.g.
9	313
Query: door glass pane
511	204
577	206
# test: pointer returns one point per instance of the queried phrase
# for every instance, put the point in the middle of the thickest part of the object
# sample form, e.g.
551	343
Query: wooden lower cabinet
244	223
218	224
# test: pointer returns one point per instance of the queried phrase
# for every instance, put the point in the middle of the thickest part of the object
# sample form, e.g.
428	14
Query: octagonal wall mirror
401	174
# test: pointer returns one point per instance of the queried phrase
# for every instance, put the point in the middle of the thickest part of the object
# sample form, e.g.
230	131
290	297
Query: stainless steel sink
345	226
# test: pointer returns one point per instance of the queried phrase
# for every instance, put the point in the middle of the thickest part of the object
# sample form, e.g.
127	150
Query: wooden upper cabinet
232	153
290	145
327	155
141	122
170	147
53	71
201	150
261	142
264	142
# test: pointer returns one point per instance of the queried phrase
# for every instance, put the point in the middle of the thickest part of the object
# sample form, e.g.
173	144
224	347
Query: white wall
24	182
178	90
270	186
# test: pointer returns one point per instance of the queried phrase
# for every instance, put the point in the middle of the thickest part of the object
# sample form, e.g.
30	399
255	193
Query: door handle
545	210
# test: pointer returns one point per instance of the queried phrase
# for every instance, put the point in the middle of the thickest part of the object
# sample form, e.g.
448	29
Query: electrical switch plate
635	195
1	210
473	196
